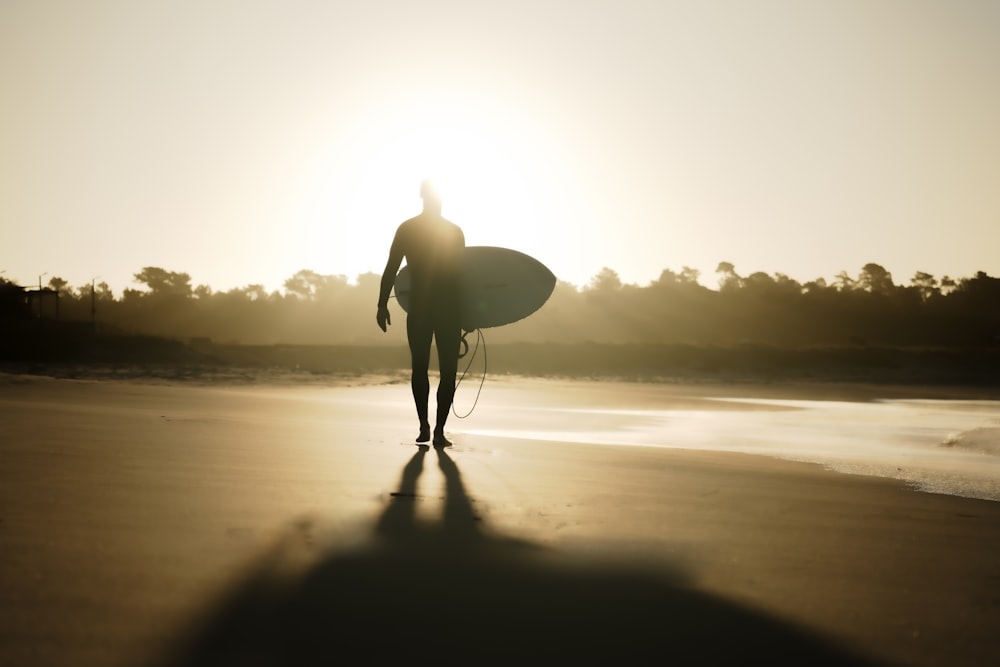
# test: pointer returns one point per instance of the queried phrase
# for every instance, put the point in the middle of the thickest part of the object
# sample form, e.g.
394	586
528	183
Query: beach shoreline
235	376
140	520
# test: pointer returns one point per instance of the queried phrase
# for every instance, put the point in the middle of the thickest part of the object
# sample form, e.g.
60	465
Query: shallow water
950	447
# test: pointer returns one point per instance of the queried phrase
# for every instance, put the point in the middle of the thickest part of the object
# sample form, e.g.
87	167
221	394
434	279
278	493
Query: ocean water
949	447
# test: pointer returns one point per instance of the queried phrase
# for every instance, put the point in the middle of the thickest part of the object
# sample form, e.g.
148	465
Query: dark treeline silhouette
864	328
758	309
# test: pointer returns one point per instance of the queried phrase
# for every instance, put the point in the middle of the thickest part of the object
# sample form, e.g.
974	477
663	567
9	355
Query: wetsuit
433	249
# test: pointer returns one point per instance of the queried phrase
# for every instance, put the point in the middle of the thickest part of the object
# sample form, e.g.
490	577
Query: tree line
868	308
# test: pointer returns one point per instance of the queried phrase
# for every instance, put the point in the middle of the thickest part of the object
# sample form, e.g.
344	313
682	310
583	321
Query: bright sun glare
488	171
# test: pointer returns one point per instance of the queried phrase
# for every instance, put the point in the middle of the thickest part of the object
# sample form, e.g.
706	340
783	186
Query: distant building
43	303
14	302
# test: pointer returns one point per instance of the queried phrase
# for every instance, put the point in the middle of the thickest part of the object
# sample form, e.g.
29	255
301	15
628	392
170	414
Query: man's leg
418	335
448	339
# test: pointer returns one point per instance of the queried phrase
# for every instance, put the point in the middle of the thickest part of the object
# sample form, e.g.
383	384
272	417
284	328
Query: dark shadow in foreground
454	594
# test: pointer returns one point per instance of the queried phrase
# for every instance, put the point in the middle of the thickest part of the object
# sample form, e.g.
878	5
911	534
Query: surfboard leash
480	338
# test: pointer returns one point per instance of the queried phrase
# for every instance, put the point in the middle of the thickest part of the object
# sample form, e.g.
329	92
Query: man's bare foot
425	433
440	440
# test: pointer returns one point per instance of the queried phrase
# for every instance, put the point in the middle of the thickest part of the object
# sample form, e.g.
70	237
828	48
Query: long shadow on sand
453	594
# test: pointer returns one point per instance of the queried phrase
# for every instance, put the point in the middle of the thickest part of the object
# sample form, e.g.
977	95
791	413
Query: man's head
430	195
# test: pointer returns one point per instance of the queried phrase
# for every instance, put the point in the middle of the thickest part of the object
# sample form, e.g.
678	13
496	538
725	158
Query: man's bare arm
385	287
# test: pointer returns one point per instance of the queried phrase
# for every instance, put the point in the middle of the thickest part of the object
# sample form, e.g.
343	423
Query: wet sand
210	525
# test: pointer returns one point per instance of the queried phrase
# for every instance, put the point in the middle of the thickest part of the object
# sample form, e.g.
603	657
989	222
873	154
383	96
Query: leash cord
480	338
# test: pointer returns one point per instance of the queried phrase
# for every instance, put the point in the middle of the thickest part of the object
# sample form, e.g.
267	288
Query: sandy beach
157	523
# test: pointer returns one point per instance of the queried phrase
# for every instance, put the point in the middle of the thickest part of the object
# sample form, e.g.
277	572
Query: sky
241	141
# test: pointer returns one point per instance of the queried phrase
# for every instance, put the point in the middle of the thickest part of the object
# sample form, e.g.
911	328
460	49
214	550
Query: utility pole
40	293
93	304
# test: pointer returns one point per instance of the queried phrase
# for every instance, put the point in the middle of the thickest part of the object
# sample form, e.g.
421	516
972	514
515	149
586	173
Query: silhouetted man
433	249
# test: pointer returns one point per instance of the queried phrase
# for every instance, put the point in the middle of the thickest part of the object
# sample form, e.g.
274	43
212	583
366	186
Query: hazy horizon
711	281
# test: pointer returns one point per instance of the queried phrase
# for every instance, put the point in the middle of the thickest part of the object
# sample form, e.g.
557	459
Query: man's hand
383	317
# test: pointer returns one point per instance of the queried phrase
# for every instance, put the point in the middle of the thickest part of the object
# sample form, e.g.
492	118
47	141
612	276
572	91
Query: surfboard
499	286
